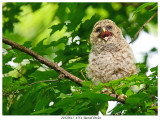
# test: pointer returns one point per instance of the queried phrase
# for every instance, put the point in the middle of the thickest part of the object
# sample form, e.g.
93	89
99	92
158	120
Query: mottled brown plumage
111	57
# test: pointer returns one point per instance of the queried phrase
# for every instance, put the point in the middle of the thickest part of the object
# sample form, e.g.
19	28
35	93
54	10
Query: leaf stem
42	81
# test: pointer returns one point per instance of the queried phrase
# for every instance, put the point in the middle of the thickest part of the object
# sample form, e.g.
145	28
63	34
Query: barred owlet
111	57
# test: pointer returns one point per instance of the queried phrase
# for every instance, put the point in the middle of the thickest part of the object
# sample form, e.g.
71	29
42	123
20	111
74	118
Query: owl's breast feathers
106	64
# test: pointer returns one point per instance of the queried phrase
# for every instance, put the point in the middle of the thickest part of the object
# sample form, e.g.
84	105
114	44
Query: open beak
105	34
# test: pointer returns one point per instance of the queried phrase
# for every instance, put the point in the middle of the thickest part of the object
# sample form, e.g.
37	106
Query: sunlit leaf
143	6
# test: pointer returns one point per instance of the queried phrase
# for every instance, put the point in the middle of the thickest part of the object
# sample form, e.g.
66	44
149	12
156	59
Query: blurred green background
31	21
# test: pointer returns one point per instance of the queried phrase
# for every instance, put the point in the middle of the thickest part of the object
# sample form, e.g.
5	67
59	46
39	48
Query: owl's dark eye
98	29
109	27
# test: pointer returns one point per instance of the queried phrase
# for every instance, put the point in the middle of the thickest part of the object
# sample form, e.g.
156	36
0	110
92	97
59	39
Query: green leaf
40	48
150	112
45	75
74	19
67	101
143	6
44	111
42	103
135	88
62	96
78	65
133	101
124	90
136	99
7	68
7	57
7	81
129	92
95	97
21	56
56	28
80	107
153	90
4	103
28	44
35	6
154	69
154	8
87	26
118	109
103	107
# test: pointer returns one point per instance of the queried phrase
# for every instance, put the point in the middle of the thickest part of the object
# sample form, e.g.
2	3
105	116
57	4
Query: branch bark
44	61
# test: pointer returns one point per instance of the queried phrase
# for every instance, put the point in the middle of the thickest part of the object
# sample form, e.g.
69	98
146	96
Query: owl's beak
103	30
105	34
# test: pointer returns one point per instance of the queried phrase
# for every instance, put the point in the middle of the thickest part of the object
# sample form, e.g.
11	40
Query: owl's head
105	31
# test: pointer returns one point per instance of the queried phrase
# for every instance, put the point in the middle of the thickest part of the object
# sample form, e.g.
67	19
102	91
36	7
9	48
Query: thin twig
83	75
120	98
135	36
42	81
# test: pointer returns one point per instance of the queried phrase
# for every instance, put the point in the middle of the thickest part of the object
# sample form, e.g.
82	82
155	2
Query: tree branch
135	36
44	61
54	66
120	98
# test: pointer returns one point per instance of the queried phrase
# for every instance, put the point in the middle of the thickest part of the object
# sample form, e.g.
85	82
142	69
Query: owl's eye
109	27
98	29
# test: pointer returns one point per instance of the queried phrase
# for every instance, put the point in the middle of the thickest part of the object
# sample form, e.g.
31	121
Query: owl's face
104	31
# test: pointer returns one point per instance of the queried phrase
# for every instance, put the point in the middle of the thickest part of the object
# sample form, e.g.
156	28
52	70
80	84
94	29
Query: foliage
60	32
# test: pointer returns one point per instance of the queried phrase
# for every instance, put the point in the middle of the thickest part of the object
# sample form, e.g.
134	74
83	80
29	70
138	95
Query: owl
111	57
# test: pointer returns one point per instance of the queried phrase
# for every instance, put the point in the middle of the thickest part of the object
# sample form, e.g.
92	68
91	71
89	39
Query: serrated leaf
87	26
56	28
40	48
